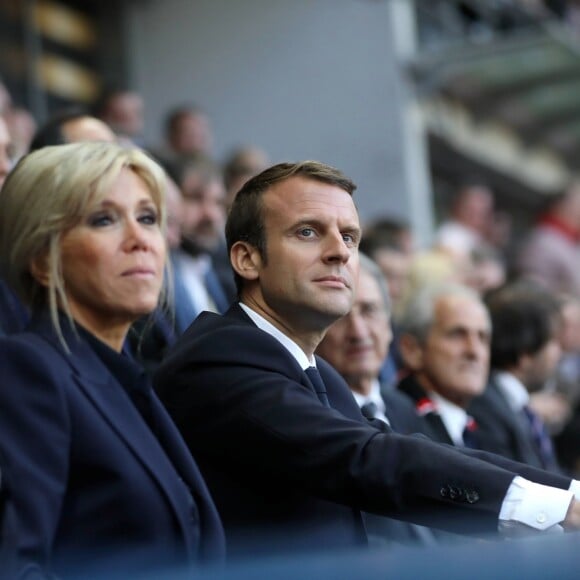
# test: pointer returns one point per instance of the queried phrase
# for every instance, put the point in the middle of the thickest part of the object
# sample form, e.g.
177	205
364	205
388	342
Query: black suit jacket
88	483
500	430
288	473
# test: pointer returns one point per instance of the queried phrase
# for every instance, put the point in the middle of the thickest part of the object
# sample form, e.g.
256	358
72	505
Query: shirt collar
373	397
454	418
286	342
512	389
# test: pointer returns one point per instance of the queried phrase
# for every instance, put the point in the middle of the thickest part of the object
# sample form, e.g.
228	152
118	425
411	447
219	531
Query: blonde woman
97	477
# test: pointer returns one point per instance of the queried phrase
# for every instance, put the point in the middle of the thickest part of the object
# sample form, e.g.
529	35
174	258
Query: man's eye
306	232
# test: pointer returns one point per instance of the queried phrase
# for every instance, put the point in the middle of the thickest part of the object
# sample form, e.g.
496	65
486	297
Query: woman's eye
148	218
100	220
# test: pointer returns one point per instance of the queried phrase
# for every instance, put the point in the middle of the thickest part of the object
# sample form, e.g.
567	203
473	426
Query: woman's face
112	261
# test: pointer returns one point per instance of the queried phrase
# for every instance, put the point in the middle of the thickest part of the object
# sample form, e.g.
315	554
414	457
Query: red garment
554	222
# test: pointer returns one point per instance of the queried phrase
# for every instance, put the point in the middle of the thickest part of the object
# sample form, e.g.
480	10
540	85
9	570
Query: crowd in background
474	341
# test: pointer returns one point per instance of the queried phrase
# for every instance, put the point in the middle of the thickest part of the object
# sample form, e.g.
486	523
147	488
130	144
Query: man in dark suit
524	354
286	452
198	285
444	341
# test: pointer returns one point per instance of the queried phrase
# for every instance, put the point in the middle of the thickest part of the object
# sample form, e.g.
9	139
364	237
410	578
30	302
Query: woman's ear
246	260
40	271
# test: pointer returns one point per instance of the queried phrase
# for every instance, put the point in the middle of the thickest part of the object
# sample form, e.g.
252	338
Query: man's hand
572	521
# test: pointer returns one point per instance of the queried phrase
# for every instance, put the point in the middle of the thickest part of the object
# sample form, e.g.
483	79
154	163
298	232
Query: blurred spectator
433	267
394	232
568	374
202	238
122	110
389	248
487	270
388	243
71	126
524	355
551	254
22	126
188	131
444	341
469	222
242	164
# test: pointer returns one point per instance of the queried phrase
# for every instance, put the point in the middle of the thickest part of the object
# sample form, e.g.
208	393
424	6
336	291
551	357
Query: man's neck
307	340
361	385
456	399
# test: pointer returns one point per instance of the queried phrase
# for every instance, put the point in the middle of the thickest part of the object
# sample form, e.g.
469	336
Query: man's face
454	361
204	215
475	209
192	135
312	234
357	344
5	153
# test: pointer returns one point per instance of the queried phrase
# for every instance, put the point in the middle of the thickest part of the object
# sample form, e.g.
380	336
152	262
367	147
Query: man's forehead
306	195
464	310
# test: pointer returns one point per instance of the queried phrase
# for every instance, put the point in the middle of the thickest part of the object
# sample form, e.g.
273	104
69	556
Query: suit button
472	496
453	492
444	492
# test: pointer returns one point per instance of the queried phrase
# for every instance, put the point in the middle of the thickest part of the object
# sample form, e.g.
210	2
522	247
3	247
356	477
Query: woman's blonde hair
47	194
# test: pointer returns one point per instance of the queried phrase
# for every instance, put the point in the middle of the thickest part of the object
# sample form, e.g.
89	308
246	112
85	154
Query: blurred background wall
409	97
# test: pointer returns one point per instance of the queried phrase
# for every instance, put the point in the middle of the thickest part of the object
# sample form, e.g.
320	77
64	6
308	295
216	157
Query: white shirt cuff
535	505
575	488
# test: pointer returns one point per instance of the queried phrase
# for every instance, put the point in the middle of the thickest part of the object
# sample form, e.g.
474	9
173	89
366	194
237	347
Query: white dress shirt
193	271
454	418
373	397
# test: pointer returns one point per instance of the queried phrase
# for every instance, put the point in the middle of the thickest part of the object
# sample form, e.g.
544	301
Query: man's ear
411	351
39	270
246	260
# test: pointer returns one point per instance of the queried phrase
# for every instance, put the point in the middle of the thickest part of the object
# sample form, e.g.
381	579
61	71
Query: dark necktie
470	434
318	385
541	439
369	410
